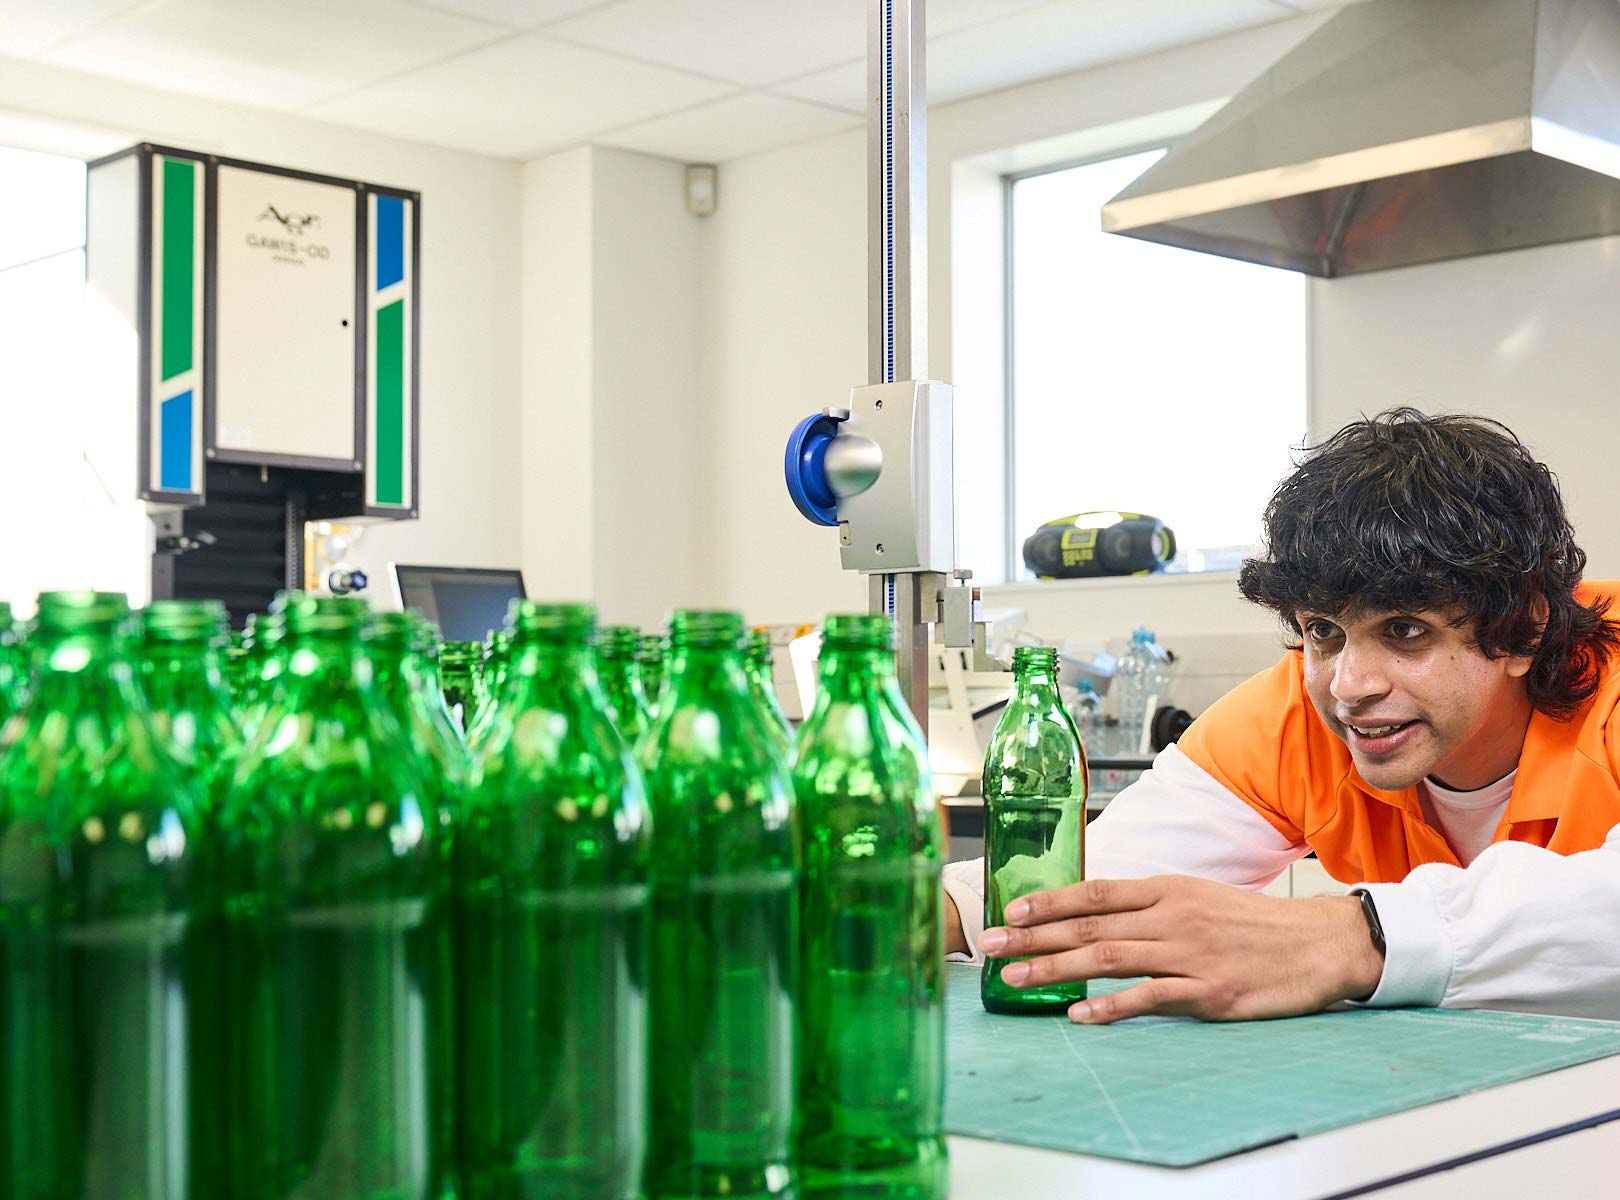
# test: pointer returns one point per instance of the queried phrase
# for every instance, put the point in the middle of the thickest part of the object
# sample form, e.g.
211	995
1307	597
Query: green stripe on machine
179	266
390	454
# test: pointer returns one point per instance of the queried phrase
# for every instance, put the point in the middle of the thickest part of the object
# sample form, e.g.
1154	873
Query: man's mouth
1380	739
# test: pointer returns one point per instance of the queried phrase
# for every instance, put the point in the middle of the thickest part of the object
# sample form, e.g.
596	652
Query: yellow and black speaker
1099	543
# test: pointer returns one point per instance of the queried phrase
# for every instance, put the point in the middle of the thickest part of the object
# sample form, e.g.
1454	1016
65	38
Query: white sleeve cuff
964	884
1418	951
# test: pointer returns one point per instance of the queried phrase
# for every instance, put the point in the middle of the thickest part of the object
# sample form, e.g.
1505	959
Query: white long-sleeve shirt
1520	927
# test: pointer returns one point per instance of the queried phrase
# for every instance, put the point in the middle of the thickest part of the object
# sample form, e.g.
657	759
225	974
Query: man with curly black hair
1443	733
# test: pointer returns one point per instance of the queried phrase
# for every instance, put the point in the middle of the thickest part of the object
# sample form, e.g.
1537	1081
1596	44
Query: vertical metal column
897	291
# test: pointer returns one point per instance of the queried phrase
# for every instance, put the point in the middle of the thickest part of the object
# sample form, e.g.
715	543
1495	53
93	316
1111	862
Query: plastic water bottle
1086	709
1141	677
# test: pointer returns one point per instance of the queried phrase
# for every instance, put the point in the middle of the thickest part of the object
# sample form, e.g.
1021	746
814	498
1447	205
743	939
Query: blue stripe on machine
390	240
174	444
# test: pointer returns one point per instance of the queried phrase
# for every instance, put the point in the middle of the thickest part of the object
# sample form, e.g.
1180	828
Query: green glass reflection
110	1016
762	685
725	928
1034	816
182	679
620	672
871	1013
552	910
459	680
336	881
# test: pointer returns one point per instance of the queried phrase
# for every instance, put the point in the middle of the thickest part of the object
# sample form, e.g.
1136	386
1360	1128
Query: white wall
470	270
1527	337
786	255
615	487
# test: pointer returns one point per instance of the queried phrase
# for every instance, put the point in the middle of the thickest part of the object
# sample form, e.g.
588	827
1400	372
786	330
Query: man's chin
1389	775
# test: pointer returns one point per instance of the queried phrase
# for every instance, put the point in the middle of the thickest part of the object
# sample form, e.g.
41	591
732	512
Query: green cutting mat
1174	1091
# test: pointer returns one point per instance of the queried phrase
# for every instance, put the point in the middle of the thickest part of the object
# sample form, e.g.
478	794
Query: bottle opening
618	641
1035	658
324	615
563	622
184	622
390	632
859	631
73	612
706	629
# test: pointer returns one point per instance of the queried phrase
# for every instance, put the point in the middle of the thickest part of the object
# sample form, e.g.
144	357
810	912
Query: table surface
1561	1126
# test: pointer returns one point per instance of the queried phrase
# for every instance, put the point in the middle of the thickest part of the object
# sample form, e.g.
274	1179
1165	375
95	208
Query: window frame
1012	565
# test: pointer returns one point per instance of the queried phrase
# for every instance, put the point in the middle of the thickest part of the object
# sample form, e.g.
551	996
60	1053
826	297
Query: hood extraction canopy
1402	132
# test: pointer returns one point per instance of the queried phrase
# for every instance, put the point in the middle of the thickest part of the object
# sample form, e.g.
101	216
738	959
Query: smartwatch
1375	927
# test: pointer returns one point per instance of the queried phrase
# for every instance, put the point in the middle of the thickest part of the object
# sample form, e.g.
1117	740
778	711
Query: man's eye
1321	631
1406	631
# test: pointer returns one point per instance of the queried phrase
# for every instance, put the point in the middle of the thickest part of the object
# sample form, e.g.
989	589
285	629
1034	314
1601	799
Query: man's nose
1359	676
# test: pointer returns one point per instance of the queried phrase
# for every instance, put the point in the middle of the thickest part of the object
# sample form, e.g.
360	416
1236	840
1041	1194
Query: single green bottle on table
553	895
181	677
459	681
492	682
620	675
726	859
336	894
762	684
871	1006
13	671
1034	817
650	654
110	1015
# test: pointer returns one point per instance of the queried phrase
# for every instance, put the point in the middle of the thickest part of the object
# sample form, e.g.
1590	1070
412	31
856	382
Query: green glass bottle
428	690
336	890
393	641
109	1004
620	673
267	665
182	680
1034	816
553	872
492	682
459	681
650	654
725	928
12	670
762	684
871	1009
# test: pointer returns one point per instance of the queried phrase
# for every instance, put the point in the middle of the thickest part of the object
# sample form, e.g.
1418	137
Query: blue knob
804	464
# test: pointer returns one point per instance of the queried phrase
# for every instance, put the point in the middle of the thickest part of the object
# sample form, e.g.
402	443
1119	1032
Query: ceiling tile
1315	5
234	50
1070	36
842	86
517	14
730	128
519	98
29	26
745	41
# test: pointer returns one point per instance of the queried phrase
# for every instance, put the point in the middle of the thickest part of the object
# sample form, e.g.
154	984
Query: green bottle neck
72	669
853	673
187	677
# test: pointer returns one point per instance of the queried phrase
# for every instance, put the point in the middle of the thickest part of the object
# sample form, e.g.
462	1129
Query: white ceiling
694	80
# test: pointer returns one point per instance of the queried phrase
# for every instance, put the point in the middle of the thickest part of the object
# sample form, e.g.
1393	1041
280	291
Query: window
66	525
1144	378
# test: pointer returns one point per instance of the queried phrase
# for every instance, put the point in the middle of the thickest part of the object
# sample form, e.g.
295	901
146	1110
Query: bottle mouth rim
858	631
1044	657
184	622
618	641
705	628
525	618
70	611
324	614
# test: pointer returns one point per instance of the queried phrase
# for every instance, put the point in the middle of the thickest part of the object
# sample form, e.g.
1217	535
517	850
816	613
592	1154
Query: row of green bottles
112	1024
460	671
1035	781
729	1008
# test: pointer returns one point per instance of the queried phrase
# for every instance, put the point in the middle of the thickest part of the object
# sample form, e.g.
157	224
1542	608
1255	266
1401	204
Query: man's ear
1519	665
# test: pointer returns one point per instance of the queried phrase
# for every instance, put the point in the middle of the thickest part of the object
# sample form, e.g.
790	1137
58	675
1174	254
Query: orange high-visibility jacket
1265	742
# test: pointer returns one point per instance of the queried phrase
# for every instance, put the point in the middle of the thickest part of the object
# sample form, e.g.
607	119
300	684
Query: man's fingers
1173	995
1105	960
1087	898
1012	941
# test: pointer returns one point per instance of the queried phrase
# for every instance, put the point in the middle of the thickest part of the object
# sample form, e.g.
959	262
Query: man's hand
1215	952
